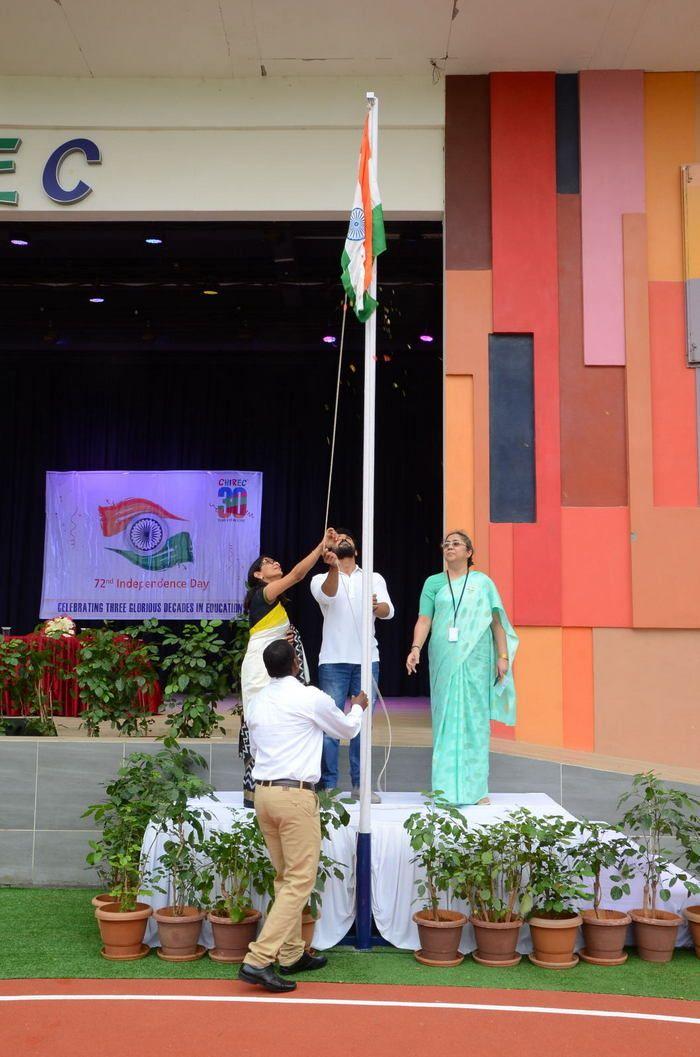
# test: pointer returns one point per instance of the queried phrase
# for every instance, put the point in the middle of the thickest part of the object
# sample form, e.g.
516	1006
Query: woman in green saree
471	653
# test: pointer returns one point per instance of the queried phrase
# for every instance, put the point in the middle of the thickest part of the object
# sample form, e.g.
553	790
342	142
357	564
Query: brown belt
289	783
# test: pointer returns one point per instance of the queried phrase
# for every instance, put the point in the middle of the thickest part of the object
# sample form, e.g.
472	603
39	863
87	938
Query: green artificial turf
52	933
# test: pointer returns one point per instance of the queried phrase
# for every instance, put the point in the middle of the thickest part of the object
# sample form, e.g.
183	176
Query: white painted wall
250	147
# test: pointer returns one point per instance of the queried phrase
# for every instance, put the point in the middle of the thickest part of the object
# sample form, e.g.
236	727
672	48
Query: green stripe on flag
378	246
378	236
177	550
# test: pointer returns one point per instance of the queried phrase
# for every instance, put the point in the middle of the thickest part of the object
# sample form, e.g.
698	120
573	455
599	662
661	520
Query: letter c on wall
53	167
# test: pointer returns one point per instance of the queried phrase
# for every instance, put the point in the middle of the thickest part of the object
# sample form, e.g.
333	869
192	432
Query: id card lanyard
453	632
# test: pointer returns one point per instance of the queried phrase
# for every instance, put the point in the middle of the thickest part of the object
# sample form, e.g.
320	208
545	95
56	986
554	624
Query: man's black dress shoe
306	963
266	977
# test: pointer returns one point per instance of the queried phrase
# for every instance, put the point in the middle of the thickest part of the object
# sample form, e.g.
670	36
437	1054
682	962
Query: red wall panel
525	299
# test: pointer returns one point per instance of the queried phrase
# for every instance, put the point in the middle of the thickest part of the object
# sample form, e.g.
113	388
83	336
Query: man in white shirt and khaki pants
286	722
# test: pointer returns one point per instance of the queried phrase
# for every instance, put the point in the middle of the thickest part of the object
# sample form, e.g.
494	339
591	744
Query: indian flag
365	239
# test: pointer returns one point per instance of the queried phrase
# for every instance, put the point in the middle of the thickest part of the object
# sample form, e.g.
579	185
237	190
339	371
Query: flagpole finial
371	98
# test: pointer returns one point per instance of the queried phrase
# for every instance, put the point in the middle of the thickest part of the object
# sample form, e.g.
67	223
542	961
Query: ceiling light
19	242
96	300
154	242
211	293
428	338
329	339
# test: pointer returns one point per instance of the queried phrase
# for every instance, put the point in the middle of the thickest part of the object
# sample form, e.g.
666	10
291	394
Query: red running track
210	1018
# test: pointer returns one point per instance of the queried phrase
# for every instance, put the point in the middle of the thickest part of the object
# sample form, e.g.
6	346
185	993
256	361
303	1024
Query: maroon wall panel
593	430
467	173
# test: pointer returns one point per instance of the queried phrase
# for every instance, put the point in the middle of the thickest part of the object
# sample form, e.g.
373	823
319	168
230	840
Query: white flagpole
364	854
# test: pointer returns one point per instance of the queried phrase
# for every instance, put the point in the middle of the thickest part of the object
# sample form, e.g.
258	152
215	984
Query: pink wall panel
612	183
525	299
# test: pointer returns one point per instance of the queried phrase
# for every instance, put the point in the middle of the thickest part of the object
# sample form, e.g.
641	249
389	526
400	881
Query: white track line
371	1003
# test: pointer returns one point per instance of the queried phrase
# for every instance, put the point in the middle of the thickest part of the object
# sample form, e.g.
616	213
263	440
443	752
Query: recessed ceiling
272	286
252	38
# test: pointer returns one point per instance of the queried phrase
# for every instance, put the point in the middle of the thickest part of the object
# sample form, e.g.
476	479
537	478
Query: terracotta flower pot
308	924
102	899
496	942
232	938
179	933
655	934
604	934
553	940
122	932
439	940
693	916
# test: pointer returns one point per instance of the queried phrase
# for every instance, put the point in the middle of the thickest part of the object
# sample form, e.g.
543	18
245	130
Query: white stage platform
393	873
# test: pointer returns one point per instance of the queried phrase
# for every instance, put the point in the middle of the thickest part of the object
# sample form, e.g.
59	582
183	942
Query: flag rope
335	413
375	685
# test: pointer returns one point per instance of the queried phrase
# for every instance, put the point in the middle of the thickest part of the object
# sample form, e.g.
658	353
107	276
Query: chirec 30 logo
233	496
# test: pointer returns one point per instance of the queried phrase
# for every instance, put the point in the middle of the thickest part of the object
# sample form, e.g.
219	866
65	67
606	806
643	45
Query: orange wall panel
664	540
596	567
577	681
647	688
468	322
673	403
669	133
538	679
459	452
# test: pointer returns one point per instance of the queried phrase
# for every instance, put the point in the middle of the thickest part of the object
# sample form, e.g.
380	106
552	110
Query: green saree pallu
463	697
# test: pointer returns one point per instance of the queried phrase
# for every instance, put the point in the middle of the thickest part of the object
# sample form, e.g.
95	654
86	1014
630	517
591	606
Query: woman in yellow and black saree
269	621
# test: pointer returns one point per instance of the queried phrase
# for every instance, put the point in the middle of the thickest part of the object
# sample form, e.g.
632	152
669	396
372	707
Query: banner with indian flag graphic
175	545
365	239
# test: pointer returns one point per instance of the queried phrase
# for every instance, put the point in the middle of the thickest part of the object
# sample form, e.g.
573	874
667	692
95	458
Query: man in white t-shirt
339	594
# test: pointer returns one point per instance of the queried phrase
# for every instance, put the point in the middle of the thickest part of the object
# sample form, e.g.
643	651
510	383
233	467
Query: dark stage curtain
269	412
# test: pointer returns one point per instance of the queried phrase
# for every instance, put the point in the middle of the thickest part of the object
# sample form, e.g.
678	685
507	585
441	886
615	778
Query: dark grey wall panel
512	427
568	154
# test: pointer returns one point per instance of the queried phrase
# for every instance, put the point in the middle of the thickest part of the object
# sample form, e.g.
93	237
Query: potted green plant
493	878
140	793
112	668
23	669
190	883
198	675
657	812
13	654
182	863
437	836
553	888
691	851
240	864
123	919
604	848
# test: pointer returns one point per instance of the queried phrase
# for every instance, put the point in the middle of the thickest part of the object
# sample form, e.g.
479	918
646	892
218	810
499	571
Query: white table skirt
393	873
